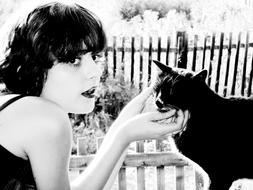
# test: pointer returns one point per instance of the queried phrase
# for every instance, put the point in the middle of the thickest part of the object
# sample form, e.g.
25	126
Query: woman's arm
48	145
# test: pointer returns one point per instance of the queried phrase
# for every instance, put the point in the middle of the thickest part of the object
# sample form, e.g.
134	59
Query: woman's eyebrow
82	51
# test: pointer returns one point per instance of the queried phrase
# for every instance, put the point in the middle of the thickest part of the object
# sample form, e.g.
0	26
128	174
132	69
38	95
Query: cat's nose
159	103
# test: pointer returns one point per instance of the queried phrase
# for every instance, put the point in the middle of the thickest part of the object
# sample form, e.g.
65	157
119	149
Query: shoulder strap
10	101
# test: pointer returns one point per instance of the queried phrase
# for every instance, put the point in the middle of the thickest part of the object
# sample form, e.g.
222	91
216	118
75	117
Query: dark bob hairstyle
50	32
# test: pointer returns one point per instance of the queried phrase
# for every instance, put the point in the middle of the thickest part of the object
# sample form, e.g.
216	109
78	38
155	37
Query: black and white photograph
126	94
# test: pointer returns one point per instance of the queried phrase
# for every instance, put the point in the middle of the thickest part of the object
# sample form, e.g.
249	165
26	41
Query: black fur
218	136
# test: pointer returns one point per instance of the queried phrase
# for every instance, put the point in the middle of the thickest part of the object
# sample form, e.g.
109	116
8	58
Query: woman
49	71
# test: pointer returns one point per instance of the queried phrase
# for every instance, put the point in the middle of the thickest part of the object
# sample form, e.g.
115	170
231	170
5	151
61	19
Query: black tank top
15	172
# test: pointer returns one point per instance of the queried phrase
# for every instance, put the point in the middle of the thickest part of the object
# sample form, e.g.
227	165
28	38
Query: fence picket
123	59
168	50
217	81
211	59
204	52
194	53
141	64
228	65
245	63
114	56
140	170
159	49
250	78
180	178
150	50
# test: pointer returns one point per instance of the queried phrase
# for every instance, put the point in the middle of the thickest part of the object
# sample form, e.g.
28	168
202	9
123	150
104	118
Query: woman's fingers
145	94
186	117
158	116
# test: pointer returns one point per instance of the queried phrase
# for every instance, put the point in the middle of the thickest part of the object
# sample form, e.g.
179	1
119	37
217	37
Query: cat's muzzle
162	107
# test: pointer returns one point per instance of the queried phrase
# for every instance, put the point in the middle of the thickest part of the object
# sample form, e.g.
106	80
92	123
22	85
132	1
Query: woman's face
72	85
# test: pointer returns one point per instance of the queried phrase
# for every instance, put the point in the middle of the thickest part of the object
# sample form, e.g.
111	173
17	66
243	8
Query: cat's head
178	88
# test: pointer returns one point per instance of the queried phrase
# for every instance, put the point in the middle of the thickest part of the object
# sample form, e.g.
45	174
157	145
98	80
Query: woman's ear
162	68
202	75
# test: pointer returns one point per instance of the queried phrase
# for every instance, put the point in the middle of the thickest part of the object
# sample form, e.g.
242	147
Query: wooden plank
159	49
135	160
123	60
160	178
183	50
228	65
168	50
250	78
211	59
114	55
217	81
150	59
245	64
180	177
194	53
204	52
141	65
177	49
140	170
122	179
236	63
132	59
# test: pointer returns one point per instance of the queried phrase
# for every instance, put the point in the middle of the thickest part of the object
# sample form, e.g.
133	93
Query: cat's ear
201	75
162	67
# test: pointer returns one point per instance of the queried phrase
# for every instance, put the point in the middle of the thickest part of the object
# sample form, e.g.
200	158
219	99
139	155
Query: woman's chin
85	108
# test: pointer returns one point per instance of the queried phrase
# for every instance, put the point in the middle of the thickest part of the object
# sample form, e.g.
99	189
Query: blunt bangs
72	29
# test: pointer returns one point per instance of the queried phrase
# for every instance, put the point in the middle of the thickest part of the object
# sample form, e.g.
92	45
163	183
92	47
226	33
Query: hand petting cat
150	124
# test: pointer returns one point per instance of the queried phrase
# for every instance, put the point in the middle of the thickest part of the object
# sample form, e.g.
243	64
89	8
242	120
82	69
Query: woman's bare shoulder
31	107
31	120
35	115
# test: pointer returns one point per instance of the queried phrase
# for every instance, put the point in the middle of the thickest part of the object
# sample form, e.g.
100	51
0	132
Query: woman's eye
75	62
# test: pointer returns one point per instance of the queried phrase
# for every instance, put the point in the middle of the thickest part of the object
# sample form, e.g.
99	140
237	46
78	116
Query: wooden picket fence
168	170
229	61
226	57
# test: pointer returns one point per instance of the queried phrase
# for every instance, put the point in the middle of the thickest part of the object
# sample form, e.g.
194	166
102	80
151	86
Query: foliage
130	9
161	18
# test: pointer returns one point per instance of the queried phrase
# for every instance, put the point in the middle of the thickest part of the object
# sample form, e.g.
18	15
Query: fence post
219	62
204	52
132	59
141	64
228	64
236	63
140	170
150	50
211	59
114	56
245	63
168	51
194	53
182	41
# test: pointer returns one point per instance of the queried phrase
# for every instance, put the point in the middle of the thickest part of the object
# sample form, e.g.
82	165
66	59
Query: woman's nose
93	70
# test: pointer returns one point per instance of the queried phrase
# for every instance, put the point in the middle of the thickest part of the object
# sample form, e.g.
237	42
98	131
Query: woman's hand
154	125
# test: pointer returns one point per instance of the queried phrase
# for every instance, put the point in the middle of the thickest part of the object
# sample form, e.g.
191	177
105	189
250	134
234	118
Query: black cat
219	134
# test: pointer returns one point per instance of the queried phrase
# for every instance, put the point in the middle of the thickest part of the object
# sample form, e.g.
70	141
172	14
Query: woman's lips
89	93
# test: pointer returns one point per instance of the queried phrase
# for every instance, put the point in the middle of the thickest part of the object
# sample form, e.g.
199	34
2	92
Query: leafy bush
130	9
